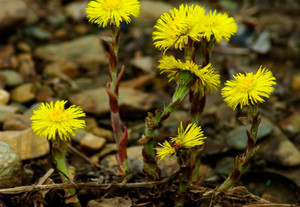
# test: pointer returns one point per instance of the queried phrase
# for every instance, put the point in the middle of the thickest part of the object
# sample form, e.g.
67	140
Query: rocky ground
49	51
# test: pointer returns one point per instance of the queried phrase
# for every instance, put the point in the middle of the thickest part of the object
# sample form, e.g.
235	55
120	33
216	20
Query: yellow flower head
204	77
190	137
176	28
54	121
219	25
104	12
248	88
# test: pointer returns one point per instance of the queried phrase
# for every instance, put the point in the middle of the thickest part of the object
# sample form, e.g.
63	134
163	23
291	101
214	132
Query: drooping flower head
204	77
113	12
53	121
249	88
189	137
176	28
219	26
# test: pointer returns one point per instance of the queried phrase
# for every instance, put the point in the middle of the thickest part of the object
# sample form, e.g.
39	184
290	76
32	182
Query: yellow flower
176	28
219	25
54	121
165	150
204	77
190	137
104	12
248	88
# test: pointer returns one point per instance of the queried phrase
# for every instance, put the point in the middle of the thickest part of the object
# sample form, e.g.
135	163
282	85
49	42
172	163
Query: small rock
168	166
7	58
107	149
79	134
101	132
110	202
12	78
44	93
296	82
76	10
263	43
24	47
10	167
37	33
225	166
237	138
4	97
92	142
12	12
96	100
151	11
144	63
86	52
279	149
6	111
27	67
16	122
292	124
25	143
23	93
81	29
29	112
61	67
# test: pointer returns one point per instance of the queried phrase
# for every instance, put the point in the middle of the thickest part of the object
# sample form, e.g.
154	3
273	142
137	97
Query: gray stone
37	33
279	149
144	63
16	122
6	111
12	12
263	43
237	138
86	52
23	93
96	100
12	78
10	167
61	68
76	10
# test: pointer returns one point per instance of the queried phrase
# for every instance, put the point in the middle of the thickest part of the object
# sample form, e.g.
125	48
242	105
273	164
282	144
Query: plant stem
59	149
152	122
112	88
242	162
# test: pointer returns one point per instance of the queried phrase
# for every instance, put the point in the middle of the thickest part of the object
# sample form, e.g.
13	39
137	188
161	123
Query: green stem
242	162
59	148
154	121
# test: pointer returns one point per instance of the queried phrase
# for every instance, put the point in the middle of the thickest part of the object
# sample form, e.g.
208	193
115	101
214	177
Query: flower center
246	84
112	4
57	115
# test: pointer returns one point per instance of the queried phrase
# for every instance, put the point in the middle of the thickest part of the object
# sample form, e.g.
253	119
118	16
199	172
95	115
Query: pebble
96	100
144	63
6	111
27	67
16	122
279	149
25	143
262	44
11	77
61	67
86	52
4	97
23	93
7	58
10	167
291	125
76	10
12	12
92	142
296	82
110	202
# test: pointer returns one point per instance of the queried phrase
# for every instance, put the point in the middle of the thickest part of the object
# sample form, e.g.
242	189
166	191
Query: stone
16	122
76	10
225	166
25	143
92	142
279	149
168	166
61	67
110	202
29	112
86	52
4	97
151	11
12	12
7	58
6	111
144	63
262	44
237	138
291	124
23	93
296	82
10	167
37	33
96	100
27	67
12	78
